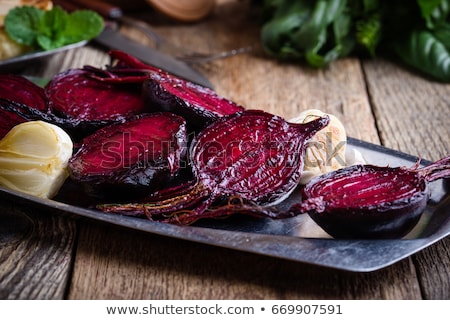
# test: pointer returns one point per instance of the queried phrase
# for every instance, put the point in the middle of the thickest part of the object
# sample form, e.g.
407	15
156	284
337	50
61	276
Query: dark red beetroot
253	157
132	158
366	201
78	97
23	91
165	92
198	105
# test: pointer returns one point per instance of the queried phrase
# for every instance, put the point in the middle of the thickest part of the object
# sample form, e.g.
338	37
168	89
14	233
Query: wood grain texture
413	116
35	253
433	267
413	113
115	263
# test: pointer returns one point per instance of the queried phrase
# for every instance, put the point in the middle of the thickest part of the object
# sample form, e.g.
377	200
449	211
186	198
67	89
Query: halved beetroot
367	201
22	91
253	157
253	154
131	159
76	95
162	91
197	104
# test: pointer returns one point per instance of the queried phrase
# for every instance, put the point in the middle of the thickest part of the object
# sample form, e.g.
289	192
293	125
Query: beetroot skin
198	105
367	201
22	91
252	156
132	158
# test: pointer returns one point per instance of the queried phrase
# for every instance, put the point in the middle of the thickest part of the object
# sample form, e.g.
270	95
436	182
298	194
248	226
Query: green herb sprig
51	29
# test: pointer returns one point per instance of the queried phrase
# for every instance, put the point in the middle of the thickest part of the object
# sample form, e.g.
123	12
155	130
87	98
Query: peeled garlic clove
326	149
34	157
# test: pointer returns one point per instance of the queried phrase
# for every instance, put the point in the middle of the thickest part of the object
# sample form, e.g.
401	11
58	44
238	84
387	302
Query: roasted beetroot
253	154
132	158
197	104
76	95
162	91
367	201
23	91
253	157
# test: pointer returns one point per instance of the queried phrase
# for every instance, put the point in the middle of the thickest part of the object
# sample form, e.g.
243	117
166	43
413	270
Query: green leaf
52	28
435	12
368	32
82	25
427	53
443	35
22	24
370	5
310	34
276	34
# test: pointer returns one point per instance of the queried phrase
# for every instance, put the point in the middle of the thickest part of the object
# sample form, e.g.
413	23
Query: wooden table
48	256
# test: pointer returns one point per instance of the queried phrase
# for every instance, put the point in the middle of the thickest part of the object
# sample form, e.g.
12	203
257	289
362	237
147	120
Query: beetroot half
22	91
197	104
131	159
166	92
367	201
76	96
253	158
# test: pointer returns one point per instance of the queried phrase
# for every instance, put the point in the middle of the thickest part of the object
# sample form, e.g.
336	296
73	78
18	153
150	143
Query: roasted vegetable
367	201
252	156
34	157
165	92
75	95
131	159
73	100
198	105
21	90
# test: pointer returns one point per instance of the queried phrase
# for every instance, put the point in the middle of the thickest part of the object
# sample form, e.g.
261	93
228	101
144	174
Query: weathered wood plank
412	115
115	263
35	253
433	268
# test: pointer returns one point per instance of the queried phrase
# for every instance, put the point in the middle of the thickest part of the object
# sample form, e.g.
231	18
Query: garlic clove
33	181
34	157
327	148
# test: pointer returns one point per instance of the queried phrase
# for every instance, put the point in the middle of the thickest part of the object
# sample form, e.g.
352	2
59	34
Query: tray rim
39	54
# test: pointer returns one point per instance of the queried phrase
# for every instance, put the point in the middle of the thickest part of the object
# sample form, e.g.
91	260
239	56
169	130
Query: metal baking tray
24	60
297	239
